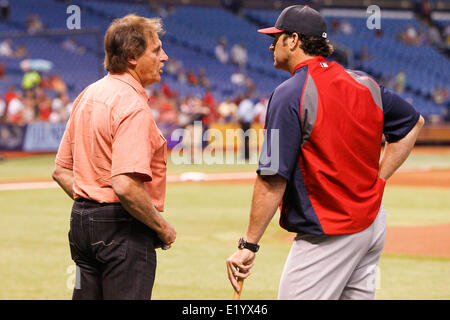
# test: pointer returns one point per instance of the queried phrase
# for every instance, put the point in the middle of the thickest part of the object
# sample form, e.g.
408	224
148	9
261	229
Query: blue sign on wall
43	136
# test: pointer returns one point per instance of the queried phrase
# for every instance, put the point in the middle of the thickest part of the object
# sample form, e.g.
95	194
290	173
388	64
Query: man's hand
167	236
239	265
267	195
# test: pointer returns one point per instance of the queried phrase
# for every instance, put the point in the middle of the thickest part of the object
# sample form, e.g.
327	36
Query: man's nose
164	56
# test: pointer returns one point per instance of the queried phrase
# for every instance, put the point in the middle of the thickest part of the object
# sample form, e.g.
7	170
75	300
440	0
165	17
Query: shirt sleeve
64	156
283	134
131	147
399	116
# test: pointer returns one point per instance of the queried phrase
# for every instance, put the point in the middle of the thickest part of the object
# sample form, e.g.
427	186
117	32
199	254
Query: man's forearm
267	195
137	202
64	178
396	153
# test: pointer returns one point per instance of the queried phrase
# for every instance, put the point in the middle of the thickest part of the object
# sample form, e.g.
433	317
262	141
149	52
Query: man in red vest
321	164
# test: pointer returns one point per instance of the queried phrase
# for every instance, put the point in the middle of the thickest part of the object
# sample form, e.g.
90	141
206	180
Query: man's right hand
167	235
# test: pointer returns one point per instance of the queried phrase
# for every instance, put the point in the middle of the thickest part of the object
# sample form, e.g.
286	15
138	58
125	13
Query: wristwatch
243	244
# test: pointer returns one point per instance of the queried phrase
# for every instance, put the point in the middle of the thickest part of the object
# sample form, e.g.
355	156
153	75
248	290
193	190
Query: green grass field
35	260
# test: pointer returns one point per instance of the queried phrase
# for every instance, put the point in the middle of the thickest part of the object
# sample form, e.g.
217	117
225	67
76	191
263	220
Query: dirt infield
419	240
425	178
438	150
425	241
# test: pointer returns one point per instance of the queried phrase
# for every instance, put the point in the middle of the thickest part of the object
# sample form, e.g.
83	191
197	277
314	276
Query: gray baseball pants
343	267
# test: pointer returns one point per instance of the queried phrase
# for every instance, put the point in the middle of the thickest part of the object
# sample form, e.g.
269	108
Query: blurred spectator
29	110
239	55
227	110
346	28
5	11
6	49
221	50
410	36
211	104
14	110
45	109
425	10
30	104
434	35
185	115
245	115
34	24
400	81
182	76
2	110
238	77
10	94
30	80
21	52
260	111
2	70
203	79
165	88
59	112
71	46
439	95
199	110
192	78
174	67
57	84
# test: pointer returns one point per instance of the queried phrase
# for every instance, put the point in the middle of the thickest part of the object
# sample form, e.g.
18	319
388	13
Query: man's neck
296	60
135	76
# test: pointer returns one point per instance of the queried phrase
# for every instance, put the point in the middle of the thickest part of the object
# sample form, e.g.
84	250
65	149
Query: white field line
28	185
188	176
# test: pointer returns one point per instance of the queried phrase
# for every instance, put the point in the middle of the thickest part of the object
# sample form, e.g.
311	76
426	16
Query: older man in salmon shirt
112	162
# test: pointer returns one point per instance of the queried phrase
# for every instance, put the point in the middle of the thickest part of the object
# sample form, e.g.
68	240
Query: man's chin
154	80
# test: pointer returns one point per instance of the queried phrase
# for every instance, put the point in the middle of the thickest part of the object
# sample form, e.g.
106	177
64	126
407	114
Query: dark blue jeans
114	253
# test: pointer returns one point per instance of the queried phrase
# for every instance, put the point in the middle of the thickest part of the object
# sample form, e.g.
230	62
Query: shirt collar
308	62
128	78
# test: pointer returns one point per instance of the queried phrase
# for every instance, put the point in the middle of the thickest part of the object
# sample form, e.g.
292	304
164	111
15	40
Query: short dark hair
314	46
126	38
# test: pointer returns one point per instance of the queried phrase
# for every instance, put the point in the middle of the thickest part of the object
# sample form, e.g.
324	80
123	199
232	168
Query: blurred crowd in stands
43	96
170	109
36	104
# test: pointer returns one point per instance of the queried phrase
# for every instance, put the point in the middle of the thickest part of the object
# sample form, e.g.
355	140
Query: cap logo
324	65
324	35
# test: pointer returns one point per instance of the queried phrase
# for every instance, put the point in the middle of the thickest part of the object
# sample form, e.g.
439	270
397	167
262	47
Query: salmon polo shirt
111	131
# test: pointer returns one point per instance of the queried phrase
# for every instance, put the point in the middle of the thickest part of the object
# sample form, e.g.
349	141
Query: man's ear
132	62
294	41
